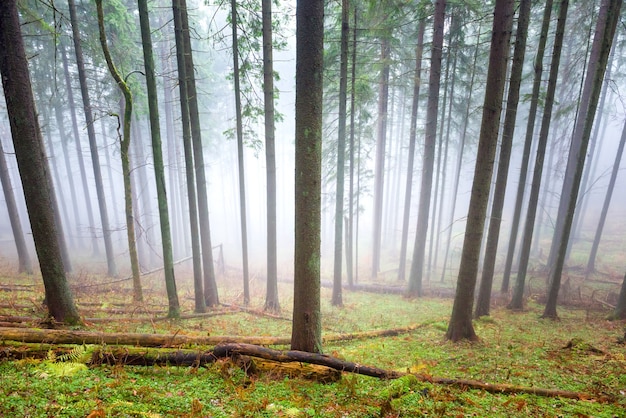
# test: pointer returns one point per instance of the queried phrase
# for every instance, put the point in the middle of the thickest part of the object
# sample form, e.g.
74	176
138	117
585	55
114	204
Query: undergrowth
578	353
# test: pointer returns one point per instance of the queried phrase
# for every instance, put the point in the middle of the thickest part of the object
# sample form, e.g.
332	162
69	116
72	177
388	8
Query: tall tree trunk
459	160
200	304
591	267
180	240
68	170
242	179
460	326
444	169
211	297
337	299
271	296
124	153
32	164
591	263
93	146
517	301
79	152
530	130
350	244
24	263
432	109
605	29
419	49
592	162
306	331
486	281
438	165
381	135
157	156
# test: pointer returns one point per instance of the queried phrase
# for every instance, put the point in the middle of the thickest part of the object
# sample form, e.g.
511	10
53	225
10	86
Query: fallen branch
227	350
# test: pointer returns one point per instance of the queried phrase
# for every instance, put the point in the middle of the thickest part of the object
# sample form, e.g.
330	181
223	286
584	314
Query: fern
64	365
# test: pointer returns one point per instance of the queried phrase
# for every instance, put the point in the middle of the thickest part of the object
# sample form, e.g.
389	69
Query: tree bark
157	156
605	30
32	164
517	301
432	110
486	282
307	328
460	326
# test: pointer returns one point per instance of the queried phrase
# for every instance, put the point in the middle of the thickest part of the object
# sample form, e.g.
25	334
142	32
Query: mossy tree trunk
32	164
157	155
124	148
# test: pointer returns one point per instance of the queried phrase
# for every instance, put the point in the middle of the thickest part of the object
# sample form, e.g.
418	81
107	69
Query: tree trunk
124	148
592	162
95	159
271	295
157	155
460	326
200	305
605	29
417	264
350	244
620	308
530	130
24	263
459	161
211	297
419	49
306	334
79	152
242	179
381	136
484	294
591	263
68	171
337	299
32	164
517	301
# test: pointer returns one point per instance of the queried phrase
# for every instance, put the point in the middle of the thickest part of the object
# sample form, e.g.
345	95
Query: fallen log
372	334
129	356
227	350
59	336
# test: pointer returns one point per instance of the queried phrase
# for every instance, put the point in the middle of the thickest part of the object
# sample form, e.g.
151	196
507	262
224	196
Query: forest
312	208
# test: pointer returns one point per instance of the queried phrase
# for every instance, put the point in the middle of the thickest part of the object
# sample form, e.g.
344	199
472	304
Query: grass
515	348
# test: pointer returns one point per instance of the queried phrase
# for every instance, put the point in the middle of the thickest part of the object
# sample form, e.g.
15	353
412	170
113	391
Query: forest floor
581	352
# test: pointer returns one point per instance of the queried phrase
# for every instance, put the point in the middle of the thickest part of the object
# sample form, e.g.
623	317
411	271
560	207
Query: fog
217	115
